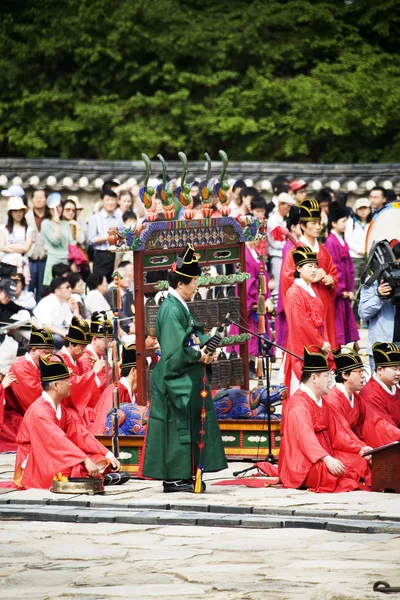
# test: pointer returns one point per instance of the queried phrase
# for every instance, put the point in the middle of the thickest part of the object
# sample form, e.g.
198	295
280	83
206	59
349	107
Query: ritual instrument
116	357
152	309
219	242
78	485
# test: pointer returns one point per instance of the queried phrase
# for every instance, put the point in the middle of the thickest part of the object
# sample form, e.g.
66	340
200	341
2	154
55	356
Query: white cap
16	203
14	190
361	203
285	198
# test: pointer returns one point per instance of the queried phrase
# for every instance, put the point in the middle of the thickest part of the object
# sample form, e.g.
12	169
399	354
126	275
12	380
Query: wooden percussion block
386	468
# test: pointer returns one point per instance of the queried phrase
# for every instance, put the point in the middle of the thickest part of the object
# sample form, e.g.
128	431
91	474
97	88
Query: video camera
382	262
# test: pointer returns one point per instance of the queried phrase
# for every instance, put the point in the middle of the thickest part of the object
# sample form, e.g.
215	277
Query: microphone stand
267	343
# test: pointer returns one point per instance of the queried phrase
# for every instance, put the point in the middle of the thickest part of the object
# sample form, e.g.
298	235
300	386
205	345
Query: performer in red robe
381	397
326	278
345	321
51	440
127	388
316	452
281	327
305	318
25	387
85	383
344	398
99	325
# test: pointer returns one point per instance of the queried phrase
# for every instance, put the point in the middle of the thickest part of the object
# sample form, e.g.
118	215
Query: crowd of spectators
60	264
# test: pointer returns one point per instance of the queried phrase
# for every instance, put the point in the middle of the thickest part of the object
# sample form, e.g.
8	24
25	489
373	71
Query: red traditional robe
382	414
308	434
19	396
86	361
105	404
351	417
85	392
305	328
326	293
51	445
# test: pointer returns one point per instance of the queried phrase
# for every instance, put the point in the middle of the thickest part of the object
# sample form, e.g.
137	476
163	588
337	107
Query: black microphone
213	343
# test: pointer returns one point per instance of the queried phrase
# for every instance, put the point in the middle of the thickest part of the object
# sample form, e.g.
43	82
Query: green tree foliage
306	80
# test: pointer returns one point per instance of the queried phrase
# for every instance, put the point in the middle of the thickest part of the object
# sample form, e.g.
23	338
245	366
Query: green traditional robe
173	431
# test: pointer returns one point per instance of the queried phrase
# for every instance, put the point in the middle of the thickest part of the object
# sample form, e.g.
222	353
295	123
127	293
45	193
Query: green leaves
306	80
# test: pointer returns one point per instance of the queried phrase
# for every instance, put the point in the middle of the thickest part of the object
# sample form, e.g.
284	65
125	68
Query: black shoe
182	485
116	478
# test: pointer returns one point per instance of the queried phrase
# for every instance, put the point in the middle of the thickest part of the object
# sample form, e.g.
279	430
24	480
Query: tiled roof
88	175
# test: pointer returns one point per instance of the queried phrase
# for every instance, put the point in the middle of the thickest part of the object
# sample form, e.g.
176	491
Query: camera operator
381	310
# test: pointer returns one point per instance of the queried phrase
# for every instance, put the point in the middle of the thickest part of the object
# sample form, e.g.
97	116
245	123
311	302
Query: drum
384	225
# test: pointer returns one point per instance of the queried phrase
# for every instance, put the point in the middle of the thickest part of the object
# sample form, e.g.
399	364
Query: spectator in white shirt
276	219
97	286
53	312
99	225
355	236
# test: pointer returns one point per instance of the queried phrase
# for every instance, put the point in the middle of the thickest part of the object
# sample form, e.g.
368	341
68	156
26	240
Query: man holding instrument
182	431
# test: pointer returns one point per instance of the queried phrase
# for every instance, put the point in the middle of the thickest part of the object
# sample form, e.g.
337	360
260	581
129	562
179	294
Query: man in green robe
174	431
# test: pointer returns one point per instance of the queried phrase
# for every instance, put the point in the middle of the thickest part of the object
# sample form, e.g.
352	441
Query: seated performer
99	324
127	388
316	452
305	318
343	397
177	439
51	440
25	387
381	397
326	277
85	385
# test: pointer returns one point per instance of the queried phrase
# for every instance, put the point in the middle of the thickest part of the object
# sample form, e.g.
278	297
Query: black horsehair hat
347	359
187	263
52	368
303	255
309	211
314	362
78	332
128	356
336	212
41	338
386	354
97	321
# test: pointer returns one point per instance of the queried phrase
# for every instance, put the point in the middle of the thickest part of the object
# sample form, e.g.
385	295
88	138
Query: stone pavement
49	561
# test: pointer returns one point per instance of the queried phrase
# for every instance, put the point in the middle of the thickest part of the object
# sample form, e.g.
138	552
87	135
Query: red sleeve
82	438
2	397
341	436
287	276
329	266
101	411
379	427
82	388
302	330
299	430
29	386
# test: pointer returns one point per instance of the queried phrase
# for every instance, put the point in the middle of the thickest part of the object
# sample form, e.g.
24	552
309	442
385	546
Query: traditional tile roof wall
89	175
